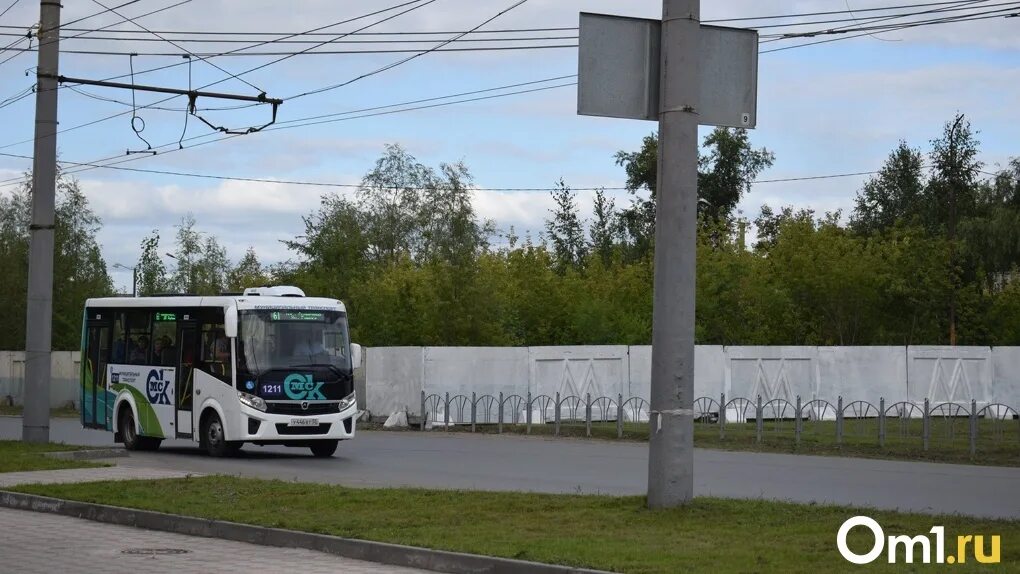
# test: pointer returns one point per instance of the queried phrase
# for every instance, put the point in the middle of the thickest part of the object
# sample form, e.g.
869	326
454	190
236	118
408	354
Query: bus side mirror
230	321
355	355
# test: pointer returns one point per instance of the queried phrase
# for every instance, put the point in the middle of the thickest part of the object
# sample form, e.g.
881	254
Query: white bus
269	366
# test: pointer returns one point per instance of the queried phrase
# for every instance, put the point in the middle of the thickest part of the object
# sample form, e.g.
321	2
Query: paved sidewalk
8	479
34	542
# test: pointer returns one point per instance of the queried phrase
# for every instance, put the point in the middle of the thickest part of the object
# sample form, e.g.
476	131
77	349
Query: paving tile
34	542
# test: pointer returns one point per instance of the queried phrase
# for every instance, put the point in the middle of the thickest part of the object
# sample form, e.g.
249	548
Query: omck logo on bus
302	388
921	548
157	388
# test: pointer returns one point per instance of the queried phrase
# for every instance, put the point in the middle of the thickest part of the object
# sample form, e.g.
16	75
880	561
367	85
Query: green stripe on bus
145	412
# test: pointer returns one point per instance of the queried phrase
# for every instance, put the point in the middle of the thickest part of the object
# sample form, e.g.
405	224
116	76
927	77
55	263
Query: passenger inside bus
139	350
217	352
163	351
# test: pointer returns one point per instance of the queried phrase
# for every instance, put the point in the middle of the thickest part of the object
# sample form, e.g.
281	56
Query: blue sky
832	108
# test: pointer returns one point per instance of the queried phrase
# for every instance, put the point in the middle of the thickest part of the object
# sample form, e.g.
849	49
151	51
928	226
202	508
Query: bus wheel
323	448
127	429
214	440
132	441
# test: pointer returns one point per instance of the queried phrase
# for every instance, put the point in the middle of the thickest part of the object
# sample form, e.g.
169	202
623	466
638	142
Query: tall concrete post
671	448
39	320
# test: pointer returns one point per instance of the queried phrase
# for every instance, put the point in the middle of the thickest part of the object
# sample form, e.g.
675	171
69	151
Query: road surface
486	462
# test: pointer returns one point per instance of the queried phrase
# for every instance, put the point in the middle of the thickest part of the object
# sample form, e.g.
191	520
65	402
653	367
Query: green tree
895	194
151	271
78	266
565	229
604	227
202	262
247	273
951	193
727	170
991	235
769	223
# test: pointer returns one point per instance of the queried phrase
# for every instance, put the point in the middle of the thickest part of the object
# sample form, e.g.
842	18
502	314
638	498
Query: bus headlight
346	402
252	401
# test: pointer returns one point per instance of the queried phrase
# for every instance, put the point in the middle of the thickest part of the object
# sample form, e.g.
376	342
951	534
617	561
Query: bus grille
295	408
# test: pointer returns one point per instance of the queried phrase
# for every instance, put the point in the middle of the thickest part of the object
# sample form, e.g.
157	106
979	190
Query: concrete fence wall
396	376
65	366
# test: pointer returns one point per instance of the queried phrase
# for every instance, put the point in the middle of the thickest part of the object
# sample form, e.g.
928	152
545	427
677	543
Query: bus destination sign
297	316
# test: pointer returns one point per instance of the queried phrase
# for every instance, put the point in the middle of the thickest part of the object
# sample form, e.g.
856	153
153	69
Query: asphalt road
486	462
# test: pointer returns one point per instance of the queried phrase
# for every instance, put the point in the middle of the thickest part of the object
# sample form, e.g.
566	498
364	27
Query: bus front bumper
262	427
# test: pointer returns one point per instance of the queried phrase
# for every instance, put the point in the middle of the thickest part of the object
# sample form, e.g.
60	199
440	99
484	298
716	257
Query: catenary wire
357	186
178	46
201	55
403	61
120	114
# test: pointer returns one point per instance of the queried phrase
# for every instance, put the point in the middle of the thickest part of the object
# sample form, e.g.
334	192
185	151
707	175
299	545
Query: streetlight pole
190	287
35	426
134	277
671	444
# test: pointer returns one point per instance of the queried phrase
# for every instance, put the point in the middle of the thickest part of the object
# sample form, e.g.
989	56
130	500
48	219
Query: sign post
682	74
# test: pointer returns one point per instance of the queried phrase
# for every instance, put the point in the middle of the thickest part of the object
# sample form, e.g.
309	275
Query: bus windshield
288	339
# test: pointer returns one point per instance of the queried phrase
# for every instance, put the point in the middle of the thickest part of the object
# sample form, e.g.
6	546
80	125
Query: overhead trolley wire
119	114
357	186
865	31
403	61
309	53
176	45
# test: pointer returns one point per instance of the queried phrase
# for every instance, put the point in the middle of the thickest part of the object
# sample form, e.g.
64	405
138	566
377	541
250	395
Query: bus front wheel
129	434
213	439
323	448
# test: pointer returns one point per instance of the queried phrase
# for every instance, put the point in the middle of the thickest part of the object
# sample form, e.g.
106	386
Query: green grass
610	533
998	442
18	410
16	456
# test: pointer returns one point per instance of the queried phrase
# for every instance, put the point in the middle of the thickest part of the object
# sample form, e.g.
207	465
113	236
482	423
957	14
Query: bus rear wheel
129	434
323	448
214	441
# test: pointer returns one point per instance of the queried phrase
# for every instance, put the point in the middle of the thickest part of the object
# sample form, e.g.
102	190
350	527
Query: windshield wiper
330	366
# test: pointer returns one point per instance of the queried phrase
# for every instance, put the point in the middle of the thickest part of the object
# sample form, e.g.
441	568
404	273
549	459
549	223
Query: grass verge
609	533
16	456
998	442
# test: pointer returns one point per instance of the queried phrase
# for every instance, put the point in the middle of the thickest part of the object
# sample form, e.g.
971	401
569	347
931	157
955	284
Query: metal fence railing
970	426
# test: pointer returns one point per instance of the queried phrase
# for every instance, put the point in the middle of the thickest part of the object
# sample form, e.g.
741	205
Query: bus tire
129	434
323	448
214	440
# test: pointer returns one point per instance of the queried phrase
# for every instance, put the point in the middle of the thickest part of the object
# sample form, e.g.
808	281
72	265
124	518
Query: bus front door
94	410
188	337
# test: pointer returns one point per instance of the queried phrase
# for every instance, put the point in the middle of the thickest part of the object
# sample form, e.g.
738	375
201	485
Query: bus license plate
303	422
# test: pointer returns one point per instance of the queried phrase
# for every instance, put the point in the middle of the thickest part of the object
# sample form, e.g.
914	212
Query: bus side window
216	351
138	338
164	349
118	353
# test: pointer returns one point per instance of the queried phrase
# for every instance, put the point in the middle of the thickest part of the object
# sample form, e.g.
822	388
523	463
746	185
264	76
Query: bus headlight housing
252	401
346	402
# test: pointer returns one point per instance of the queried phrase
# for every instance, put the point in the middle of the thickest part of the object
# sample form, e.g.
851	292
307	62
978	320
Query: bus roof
242	302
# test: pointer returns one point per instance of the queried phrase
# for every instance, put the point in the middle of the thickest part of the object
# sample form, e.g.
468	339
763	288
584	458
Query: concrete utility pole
671	448
39	321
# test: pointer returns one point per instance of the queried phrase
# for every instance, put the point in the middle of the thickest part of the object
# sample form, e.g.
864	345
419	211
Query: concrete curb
380	552
88	454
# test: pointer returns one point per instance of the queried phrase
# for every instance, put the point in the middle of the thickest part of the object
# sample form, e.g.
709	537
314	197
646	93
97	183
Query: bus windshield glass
288	339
